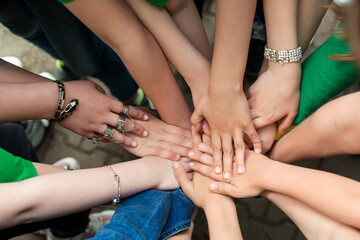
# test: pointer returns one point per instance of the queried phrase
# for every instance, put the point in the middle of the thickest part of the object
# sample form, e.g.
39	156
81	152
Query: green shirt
14	169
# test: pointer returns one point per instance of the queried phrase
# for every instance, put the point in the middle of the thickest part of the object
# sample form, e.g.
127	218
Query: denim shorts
149	215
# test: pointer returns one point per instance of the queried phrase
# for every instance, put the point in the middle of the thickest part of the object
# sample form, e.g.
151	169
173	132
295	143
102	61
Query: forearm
13	74
233	27
35	100
222	219
332	195
70	191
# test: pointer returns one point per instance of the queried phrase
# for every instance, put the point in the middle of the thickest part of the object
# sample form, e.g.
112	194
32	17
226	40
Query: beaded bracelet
116	200
283	56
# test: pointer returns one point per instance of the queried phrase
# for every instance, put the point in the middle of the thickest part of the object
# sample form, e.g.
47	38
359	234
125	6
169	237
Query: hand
162	172
240	186
96	111
164	140
196	189
229	119
275	95
267	136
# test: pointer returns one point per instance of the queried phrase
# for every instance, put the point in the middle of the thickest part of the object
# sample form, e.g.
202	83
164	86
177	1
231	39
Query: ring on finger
122	140
125	109
120	124
95	138
132	127
109	132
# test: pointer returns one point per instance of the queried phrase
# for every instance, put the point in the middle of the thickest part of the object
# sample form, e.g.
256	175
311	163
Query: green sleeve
13	169
322	79
158	3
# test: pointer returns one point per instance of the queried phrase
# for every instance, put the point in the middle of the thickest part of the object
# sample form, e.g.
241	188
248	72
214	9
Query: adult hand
96	112
164	140
229	119
275	95
239	186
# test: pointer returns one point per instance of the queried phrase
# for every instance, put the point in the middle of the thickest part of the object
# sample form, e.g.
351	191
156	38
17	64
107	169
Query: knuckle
228	152
217	149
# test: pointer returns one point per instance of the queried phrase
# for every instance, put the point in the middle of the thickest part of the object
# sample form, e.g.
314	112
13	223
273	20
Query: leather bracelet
283	56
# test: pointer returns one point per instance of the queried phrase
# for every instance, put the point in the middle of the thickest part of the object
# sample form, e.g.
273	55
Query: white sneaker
13	60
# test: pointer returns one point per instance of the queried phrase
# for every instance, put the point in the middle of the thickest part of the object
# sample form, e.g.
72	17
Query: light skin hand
267	137
164	140
229	119
275	95
96	111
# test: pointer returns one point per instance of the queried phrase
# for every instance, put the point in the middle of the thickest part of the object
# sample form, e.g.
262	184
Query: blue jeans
53	28
149	215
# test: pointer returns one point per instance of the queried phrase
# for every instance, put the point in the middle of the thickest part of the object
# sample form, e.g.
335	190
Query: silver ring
122	140
133	126
109	132
95	138
120	124
125	109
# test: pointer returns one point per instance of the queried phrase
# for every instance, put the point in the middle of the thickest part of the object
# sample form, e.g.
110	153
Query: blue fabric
53	28
149	215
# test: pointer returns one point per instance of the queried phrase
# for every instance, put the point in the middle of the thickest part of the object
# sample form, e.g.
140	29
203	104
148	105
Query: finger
186	166
182	178
225	189
196	137
178	139
175	148
178	131
239	151
205	148
248	93
200	157
286	122
206	128
228	154
254	137
164	153
259	122
254	114
124	140
206	139
217	152
196	117
205	170
135	128
137	114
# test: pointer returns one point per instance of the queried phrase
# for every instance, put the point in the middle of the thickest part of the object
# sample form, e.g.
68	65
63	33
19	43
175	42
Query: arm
312	224
220	211
225	97
332	195
118	26
89	188
275	94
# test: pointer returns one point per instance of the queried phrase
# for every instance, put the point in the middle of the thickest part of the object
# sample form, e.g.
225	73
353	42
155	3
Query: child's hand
162	174
275	95
229	119
198	189
239	186
267	136
164	140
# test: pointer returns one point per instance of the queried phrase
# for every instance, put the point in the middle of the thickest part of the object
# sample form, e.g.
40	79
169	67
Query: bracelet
283	56
116	200
70	107
62	97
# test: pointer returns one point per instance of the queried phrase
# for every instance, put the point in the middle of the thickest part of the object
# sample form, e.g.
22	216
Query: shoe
64	73
69	163
142	100
35	131
13	60
96	222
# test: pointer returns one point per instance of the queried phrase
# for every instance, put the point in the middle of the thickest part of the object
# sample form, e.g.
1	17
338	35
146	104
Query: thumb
197	117
182	178
224	188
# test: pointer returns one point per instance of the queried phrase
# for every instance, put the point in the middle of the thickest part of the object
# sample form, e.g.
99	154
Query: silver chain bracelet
283	56
116	200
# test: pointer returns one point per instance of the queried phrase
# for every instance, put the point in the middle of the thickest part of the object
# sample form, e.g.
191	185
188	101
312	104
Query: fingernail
175	165
202	146
218	170
133	144
240	169
213	187
146	117
191	153
191	164
258	150
145	133
177	156
227	176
